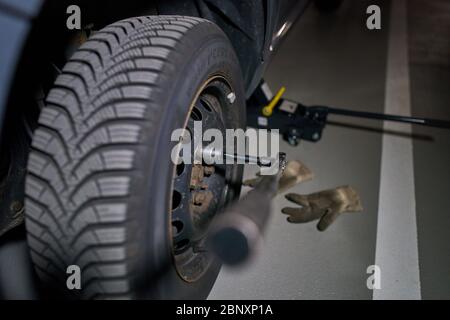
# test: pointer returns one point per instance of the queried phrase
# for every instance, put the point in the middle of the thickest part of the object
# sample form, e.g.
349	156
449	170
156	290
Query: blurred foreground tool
236	233
295	173
324	205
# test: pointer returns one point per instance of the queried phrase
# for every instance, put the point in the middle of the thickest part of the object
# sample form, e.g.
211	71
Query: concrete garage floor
430	92
334	60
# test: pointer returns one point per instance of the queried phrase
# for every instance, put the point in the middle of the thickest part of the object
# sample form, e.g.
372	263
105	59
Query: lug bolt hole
196	115
206	106
180	169
177	227
176	199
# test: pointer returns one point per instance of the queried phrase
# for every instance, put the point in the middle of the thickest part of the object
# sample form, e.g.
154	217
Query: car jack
235	234
298	122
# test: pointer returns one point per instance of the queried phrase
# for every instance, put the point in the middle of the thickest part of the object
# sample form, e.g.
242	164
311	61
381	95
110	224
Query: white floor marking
396	247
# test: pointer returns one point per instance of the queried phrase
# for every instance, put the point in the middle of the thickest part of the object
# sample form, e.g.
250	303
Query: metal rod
389	117
260	161
244	159
236	233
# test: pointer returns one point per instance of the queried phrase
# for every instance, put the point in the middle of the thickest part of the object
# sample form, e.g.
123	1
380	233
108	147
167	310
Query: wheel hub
199	191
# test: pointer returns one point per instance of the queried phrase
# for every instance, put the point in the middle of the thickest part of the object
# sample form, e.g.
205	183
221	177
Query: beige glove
295	173
324	205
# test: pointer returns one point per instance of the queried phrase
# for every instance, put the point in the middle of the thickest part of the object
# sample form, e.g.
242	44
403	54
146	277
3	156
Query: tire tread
83	156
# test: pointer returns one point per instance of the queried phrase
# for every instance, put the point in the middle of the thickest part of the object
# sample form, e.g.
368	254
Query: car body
19	20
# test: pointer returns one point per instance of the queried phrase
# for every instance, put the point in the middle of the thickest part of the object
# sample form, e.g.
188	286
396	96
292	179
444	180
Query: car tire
100	177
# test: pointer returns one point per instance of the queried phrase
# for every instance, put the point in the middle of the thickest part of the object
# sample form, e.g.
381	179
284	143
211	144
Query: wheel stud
198	198
209	170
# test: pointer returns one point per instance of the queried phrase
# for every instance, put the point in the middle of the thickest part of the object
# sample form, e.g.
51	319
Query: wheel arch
244	22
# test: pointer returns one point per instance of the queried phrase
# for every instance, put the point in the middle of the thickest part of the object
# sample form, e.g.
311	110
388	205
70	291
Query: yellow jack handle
268	110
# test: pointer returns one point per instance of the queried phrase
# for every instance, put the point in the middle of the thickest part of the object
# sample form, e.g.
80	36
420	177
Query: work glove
295	173
324	205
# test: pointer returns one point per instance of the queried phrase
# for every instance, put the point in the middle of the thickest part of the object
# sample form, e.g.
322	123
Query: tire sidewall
204	52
